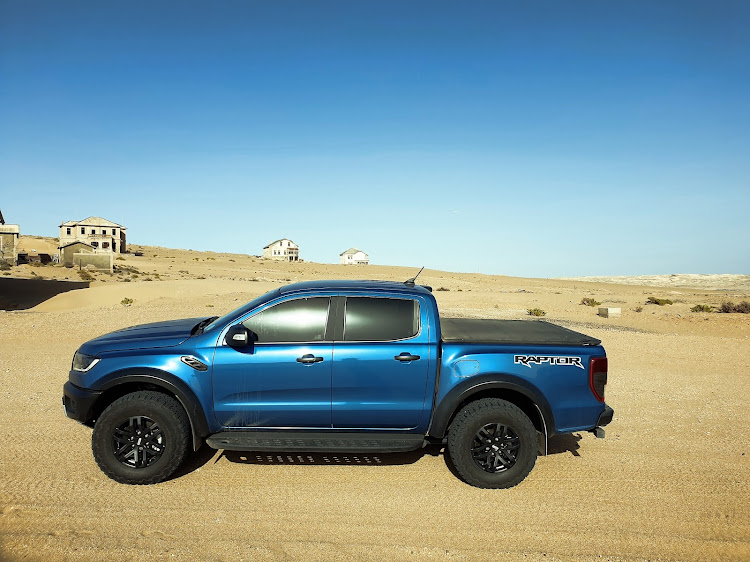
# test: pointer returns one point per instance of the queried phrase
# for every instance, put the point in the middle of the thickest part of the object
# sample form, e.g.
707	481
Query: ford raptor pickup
337	366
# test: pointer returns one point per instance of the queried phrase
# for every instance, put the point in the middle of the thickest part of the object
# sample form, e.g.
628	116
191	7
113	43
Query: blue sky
521	138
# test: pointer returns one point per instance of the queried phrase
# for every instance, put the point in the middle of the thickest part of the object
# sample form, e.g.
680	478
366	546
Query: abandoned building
102	235
67	252
283	249
9	234
353	256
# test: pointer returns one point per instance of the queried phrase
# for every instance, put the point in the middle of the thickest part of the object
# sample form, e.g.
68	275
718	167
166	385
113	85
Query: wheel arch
506	387
120	383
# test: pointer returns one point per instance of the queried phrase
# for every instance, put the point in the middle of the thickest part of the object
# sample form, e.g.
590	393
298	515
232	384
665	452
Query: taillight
598	376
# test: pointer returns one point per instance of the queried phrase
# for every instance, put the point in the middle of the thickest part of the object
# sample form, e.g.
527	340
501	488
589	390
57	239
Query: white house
283	249
102	235
354	256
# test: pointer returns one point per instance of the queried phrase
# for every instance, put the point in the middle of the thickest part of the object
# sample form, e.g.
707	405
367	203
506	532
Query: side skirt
299	441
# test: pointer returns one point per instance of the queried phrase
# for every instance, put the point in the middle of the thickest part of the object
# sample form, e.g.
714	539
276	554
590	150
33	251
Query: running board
299	441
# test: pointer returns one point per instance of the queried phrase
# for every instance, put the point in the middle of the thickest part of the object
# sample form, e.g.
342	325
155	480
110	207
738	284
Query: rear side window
371	319
299	320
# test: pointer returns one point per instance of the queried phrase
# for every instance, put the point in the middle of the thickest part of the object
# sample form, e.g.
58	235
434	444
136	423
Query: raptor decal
528	360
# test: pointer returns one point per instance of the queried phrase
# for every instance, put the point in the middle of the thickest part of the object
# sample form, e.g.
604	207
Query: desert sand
669	482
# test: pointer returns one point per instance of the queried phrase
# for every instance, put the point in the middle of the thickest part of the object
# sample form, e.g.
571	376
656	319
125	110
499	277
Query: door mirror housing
239	336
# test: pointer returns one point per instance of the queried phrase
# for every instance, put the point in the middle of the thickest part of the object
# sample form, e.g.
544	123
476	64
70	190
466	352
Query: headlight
83	362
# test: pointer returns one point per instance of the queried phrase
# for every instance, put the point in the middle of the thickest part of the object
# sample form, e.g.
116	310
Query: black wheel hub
495	447
138	442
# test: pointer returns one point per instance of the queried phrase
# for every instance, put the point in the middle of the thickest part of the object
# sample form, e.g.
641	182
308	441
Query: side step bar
298	442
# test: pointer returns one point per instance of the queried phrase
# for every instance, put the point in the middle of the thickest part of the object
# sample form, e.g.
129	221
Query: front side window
299	320
83	230
67	231
380	319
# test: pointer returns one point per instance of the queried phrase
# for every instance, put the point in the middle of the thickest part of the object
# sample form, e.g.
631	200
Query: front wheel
141	438
492	443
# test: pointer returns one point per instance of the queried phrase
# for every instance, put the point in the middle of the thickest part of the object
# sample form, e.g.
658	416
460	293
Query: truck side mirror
239	336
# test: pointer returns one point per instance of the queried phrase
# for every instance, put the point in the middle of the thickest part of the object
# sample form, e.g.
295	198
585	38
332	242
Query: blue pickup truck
337	366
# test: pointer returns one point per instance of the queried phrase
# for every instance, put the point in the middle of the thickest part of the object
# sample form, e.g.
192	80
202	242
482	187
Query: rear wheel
492	443
141	438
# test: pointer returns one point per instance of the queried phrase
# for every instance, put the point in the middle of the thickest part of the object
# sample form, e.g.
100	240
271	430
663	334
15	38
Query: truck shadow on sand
559	444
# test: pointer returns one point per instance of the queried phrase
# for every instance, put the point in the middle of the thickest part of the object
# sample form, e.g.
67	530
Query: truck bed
515	332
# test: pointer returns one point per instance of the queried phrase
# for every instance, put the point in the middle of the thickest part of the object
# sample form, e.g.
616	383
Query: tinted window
299	320
370	319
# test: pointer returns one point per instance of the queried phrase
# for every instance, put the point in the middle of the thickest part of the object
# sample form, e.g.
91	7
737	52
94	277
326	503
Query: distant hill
713	282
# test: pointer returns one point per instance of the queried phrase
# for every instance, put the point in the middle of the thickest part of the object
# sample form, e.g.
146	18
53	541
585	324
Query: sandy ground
670	481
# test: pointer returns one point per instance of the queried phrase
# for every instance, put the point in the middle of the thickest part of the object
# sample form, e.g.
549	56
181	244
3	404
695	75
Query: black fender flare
464	390
169	382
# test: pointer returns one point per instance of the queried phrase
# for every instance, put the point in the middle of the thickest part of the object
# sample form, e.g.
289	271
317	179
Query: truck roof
355	285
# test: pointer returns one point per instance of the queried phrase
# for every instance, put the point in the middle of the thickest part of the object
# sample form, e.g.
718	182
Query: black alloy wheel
138	442
495	447
141	438
492	443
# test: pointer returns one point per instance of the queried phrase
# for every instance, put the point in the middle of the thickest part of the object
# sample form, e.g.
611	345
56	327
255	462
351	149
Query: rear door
380	364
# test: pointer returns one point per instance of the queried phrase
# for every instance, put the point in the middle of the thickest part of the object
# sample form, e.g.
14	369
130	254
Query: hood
143	336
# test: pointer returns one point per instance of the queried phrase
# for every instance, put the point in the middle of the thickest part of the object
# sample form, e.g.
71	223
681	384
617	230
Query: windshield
222	320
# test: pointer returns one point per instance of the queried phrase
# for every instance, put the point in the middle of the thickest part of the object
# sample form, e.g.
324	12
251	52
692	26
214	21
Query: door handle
309	359
406	357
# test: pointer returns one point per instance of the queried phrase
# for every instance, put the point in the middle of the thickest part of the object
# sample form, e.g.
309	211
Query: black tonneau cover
520	332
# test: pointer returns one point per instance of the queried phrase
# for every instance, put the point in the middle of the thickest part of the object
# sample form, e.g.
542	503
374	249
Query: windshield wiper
200	326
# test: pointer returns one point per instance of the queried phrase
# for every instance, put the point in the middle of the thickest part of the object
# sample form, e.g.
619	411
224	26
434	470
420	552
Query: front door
284	378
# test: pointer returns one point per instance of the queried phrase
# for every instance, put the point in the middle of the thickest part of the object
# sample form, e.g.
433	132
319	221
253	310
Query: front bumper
79	402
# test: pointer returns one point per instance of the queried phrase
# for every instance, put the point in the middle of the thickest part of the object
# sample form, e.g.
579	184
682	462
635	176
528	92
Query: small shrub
442	289
702	308
535	312
85	275
728	307
120	258
36	264
6	273
126	301
231	260
135	276
4	266
209	306
148	279
660	302
588	301
638	309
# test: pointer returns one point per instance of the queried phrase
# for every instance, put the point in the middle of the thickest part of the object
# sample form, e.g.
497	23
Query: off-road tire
520	442
146	407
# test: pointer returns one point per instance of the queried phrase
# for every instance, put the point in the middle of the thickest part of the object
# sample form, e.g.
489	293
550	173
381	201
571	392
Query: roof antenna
413	279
